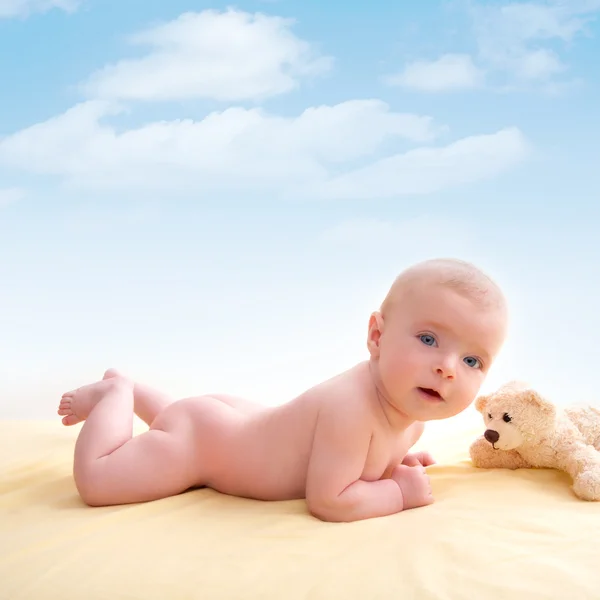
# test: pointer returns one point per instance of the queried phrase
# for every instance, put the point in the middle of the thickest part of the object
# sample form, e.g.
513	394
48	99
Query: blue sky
214	197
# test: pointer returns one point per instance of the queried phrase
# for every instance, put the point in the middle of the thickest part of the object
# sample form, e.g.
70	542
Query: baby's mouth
431	393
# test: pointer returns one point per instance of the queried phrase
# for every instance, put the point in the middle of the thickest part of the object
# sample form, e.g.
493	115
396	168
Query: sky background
214	197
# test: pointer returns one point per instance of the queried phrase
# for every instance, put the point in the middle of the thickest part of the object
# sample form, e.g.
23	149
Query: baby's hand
418	458
415	485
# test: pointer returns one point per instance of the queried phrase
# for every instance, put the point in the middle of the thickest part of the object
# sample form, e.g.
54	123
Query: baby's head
435	337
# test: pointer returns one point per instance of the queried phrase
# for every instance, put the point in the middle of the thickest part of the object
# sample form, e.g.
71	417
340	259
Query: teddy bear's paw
480	452
587	485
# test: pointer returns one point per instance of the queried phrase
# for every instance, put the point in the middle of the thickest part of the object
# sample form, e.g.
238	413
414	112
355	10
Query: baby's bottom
111	466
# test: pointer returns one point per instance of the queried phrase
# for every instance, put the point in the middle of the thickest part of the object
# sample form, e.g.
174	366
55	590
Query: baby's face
435	351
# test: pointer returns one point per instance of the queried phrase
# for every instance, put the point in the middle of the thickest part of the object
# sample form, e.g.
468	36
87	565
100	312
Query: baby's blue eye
427	339
472	362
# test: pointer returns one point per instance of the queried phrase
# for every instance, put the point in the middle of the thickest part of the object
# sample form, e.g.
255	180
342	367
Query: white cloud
536	20
447	73
233	148
428	170
354	149
10	195
539	65
517	46
23	8
227	56
515	38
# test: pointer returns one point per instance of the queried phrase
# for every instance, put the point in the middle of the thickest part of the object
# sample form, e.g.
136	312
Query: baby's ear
375	329
481	403
534	399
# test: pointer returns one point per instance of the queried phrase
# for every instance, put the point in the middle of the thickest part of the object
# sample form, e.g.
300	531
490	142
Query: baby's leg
147	404
111	467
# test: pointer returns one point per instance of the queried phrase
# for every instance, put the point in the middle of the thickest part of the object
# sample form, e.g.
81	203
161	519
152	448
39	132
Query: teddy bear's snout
491	436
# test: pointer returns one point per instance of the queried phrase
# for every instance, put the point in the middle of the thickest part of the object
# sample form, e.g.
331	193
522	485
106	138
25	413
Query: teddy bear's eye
506	418
489	415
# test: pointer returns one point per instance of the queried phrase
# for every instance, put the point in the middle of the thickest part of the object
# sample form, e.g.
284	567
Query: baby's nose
447	368
491	436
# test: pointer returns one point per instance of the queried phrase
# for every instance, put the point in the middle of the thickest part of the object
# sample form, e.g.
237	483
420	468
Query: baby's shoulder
346	399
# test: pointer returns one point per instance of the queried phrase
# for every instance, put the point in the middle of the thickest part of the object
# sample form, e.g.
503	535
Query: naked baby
343	445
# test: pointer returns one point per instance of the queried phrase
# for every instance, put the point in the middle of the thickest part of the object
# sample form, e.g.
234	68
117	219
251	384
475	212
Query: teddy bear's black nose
491	436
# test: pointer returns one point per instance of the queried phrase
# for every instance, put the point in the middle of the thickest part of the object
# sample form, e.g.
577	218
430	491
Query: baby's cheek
463	396
398	373
471	382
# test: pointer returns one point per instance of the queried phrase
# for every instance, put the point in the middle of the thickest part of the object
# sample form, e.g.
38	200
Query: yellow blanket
490	535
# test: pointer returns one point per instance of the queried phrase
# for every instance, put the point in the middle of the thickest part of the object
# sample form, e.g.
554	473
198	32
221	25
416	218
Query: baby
341	445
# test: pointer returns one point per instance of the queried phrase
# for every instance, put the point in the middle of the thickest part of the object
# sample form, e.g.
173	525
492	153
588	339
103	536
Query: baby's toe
71	420
64	407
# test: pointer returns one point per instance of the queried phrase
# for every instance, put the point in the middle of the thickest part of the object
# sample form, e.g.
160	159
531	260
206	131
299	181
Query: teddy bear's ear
481	403
535	399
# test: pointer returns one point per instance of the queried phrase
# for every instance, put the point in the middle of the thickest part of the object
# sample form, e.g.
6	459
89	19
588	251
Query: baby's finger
426	459
411	461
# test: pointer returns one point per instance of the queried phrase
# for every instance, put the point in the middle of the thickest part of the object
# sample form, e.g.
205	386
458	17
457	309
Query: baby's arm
334	490
422	458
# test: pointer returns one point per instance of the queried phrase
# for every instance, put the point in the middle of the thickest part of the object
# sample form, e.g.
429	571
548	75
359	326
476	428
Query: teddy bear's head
515	415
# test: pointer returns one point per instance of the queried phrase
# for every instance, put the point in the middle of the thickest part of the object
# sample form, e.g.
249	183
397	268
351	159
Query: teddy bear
525	430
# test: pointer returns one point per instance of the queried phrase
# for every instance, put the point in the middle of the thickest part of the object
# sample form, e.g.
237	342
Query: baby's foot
415	485
76	405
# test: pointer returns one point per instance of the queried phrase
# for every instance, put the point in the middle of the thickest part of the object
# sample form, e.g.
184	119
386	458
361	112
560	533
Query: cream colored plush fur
524	430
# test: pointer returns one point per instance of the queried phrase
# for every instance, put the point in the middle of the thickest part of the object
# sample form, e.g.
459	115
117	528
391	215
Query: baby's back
266	453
